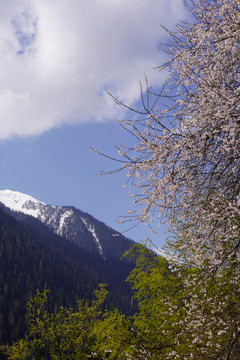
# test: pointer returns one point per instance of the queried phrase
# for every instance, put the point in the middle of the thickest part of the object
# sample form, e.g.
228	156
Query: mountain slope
29	260
70	223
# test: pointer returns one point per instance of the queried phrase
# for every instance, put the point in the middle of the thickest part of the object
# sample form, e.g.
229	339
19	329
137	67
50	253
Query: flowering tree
185	168
186	159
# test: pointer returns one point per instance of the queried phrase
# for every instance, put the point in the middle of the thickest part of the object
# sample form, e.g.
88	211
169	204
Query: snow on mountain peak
18	201
67	222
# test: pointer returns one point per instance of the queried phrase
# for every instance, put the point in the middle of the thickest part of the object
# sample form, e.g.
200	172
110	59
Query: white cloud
58	56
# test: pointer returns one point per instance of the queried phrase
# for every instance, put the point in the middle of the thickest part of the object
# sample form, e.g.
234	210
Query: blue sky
57	59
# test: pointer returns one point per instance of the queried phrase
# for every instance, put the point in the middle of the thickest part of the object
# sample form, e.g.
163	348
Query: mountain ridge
68	222
31	260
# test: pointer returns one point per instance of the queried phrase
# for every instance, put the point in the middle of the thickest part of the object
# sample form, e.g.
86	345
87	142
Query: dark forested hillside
30	260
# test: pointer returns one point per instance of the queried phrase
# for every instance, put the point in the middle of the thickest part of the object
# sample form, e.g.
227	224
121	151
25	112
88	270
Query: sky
57	59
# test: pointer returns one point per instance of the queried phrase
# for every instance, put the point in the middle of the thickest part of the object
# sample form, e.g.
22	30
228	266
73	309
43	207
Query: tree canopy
185	164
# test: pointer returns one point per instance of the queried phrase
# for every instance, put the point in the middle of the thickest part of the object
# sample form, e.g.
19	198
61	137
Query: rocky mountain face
62	248
67	222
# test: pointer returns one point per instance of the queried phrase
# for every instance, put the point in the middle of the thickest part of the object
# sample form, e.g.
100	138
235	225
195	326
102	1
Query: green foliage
177	318
160	301
29	260
113	335
18	351
64	335
182	313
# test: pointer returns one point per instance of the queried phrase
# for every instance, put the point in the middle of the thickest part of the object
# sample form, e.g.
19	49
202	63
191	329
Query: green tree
159	293
182	313
114	336
65	335
152	332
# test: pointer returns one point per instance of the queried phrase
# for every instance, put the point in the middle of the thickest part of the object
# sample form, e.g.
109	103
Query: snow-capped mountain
17	201
67	222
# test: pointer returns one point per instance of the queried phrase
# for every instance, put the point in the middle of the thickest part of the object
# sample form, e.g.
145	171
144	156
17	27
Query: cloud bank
58	57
